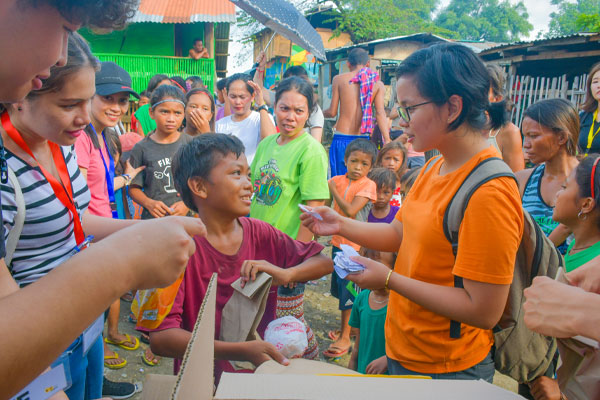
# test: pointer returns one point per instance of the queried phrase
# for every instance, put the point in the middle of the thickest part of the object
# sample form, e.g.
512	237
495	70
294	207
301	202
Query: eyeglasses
405	113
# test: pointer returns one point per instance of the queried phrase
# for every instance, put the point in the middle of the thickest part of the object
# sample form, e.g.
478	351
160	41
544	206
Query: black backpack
519	352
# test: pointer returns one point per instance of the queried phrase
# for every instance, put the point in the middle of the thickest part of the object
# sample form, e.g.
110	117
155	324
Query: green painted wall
147	39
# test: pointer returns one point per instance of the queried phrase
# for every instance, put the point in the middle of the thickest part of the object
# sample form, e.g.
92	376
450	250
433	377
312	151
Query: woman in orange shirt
442	92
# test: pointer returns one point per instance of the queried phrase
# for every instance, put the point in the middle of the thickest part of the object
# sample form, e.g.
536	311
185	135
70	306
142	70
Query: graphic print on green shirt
268	186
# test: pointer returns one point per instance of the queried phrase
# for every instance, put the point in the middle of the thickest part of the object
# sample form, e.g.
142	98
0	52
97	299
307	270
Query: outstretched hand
330	225
252	267
258	351
374	275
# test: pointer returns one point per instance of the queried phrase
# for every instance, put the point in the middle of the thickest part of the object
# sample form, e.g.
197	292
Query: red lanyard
62	189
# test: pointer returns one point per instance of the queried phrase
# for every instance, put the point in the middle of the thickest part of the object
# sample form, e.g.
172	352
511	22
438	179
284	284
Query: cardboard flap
252	287
300	366
195	379
158	387
314	387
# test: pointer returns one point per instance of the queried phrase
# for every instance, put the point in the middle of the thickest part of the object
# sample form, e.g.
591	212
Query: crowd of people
221	183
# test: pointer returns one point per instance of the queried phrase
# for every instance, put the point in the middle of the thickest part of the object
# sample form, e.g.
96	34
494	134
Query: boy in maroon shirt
213	178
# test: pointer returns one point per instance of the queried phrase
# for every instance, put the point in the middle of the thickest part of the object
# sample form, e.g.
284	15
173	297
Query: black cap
111	79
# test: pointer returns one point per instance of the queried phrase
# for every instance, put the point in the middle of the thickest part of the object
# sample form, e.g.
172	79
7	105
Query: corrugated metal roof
538	41
185	11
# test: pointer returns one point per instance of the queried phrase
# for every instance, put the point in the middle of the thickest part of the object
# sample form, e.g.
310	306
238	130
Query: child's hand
133	172
199	121
377	366
180	209
544	388
158	209
332	187
250	268
257	352
374	275
258	95
329	226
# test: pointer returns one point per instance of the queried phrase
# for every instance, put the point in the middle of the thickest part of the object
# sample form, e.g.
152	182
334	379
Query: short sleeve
83	150
355	314
316	119
313	174
490	233
135	159
368	190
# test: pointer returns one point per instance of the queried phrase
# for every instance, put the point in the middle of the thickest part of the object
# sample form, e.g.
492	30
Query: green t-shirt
371	324
576	260
144	119
285	176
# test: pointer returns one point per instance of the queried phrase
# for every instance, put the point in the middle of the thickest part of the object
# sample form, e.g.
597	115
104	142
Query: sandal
153	362
121	344
115	356
335	352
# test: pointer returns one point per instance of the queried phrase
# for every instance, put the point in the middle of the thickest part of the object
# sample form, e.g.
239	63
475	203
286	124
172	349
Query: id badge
45	385
92	333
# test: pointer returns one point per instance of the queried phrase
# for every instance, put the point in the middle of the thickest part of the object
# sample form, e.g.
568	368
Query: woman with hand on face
550	128
199	112
589	141
290	169
442	92
249	126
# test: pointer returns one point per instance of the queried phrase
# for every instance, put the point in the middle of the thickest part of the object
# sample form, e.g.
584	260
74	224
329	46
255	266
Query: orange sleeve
368	190
490	233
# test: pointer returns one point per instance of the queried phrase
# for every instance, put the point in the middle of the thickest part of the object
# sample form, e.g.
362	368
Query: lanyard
62	188
109	174
592	134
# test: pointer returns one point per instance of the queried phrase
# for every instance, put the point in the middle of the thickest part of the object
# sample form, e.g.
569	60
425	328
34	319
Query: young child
368	320
393	157
408	180
154	189
382	211
213	177
350	193
144	99
199	112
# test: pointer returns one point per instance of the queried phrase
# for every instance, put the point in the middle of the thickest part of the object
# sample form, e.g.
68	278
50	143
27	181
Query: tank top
535	205
492	140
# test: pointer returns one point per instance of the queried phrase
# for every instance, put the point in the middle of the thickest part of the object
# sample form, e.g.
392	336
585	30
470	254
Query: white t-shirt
248	131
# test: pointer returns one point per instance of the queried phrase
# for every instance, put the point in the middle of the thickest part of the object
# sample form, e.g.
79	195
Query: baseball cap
111	79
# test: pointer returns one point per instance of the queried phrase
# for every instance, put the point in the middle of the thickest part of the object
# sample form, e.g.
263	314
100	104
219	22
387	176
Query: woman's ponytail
498	114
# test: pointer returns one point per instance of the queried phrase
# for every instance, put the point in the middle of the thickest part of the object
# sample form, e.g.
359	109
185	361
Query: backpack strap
485	171
15	232
431	162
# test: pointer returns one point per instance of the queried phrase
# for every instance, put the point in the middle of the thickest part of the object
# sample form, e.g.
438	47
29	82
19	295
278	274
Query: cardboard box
271	381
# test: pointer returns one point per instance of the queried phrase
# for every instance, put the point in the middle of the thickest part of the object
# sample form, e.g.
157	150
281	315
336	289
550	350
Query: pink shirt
261	242
88	157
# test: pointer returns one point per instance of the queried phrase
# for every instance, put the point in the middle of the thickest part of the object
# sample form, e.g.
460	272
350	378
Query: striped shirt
47	237
535	205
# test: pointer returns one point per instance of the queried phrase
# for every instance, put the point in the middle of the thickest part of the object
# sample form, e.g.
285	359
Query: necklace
379	301
580	248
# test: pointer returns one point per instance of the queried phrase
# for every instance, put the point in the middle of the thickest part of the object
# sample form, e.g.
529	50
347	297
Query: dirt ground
320	311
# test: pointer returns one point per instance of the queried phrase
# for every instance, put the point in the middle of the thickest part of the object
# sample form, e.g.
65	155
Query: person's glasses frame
404	112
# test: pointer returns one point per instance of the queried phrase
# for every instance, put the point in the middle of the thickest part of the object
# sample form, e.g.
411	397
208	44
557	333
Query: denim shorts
484	370
85	372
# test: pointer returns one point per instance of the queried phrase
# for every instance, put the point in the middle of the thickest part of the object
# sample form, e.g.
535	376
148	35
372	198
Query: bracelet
387	280
127	179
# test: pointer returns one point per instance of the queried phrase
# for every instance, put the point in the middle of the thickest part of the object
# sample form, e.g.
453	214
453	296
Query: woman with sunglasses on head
442	92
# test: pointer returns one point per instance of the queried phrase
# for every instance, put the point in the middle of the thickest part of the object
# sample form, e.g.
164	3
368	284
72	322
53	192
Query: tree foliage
573	17
492	20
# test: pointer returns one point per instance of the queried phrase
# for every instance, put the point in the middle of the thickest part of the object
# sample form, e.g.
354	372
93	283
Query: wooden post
209	43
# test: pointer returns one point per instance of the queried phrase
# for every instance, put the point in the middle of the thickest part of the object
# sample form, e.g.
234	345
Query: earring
580	215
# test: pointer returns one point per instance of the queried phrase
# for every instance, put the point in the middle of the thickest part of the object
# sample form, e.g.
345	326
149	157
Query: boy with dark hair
355	92
198	51
212	175
382	211
350	193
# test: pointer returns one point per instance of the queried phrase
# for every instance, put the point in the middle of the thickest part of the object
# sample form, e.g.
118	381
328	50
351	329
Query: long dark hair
583	177
448	69
590	104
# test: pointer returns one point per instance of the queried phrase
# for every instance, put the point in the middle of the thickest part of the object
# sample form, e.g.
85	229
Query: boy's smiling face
228	187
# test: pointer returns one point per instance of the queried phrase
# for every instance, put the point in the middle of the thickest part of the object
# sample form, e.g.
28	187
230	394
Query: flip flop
336	353
121	344
151	363
145	338
334	335
115	356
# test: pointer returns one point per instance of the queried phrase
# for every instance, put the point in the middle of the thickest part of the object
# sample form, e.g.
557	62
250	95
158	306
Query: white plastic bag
288	335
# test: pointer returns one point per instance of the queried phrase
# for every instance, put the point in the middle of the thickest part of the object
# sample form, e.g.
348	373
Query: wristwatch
263	107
